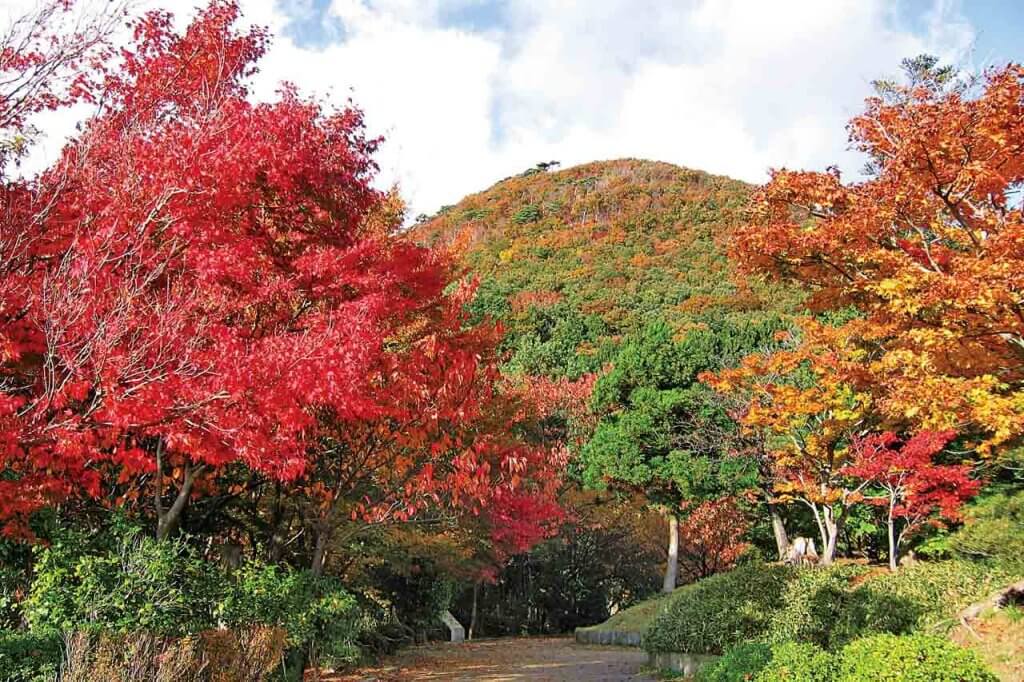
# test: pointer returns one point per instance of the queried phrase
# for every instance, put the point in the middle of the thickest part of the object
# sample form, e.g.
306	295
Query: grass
637	617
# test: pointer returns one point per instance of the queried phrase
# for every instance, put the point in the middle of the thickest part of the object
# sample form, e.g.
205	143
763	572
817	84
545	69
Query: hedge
30	656
717	612
878	658
828	607
913	658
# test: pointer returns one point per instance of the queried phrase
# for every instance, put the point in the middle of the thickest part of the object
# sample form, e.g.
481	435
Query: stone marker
458	633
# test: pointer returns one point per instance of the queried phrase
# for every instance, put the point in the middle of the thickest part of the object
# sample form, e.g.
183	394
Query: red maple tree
916	490
711	538
200	280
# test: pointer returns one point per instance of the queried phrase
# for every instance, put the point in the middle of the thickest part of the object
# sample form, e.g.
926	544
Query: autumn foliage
916	490
204	281
928	249
711	538
921	261
803	402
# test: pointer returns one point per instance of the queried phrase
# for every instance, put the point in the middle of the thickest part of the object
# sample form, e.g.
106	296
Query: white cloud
729	86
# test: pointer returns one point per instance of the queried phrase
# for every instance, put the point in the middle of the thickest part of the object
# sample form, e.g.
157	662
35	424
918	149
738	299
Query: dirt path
509	660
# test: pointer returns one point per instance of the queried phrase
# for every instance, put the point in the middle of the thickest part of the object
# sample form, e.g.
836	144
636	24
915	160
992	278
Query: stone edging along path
685	663
607	637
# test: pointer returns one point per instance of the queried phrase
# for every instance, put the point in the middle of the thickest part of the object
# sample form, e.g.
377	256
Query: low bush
717	612
924	595
761	662
526	214
321	617
812	603
913	658
828	607
878	658
797	662
993	530
29	656
15	575
164	588
741	662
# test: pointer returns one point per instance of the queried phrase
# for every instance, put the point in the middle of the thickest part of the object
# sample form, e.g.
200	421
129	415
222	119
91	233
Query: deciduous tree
805	402
916	490
928	248
203	283
711	537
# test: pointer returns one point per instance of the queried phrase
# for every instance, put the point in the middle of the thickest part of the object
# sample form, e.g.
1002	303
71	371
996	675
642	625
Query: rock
458	633
802	552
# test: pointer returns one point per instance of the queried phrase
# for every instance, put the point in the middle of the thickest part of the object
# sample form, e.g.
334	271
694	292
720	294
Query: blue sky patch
311	23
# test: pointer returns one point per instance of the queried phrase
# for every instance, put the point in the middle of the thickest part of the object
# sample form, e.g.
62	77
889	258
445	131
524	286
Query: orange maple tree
929	249
806	404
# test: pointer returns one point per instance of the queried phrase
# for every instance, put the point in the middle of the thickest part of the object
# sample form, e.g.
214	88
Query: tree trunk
832	527
167	520
316	567
472	613
672	567
894	551
822	532
779	529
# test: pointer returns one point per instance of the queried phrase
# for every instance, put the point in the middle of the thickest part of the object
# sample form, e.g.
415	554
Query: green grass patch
637	617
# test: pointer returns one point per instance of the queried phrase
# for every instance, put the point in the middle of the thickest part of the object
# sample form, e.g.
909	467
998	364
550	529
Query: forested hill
571	260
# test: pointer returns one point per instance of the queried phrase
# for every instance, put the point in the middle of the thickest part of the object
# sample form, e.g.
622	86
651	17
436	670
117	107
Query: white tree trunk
831	528
672	567
779	530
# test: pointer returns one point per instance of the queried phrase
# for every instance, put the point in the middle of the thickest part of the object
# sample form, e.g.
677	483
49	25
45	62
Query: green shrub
924	595
29	656
164	588
761	662
527	214
823	606
797	662
812	603
336	622
739	663
993	530
261	594
15	571
318	613
914	658
717	612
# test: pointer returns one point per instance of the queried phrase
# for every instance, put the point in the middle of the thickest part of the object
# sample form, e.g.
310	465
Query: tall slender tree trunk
894	550
168	518
672	567
832	526
472	613
822	532
779	530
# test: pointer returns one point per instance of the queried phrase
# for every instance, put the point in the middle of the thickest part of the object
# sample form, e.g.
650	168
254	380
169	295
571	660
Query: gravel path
508	660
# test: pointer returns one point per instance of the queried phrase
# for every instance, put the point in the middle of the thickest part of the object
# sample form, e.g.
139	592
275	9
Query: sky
466	92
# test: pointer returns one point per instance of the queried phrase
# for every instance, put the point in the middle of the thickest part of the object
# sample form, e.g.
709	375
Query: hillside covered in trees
572	260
